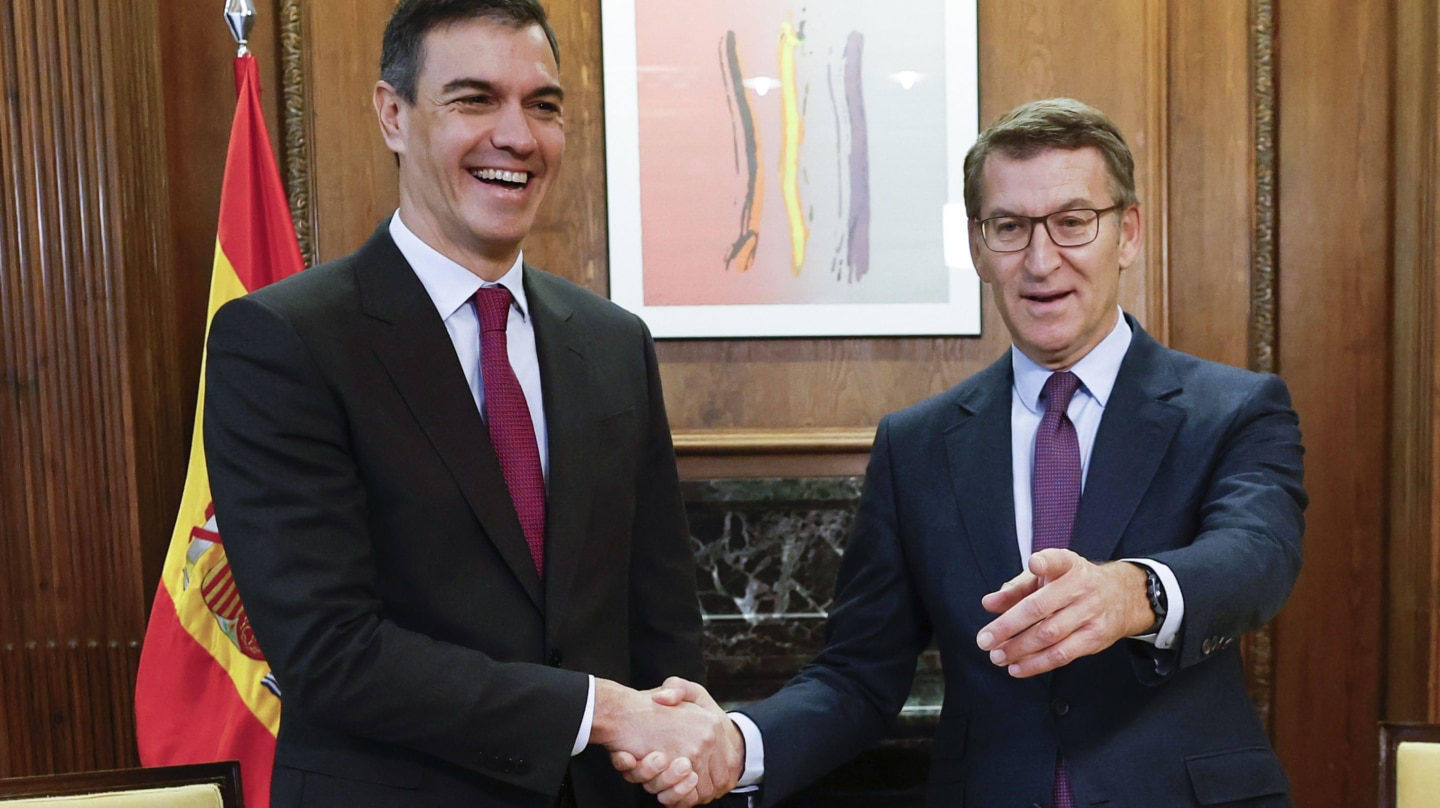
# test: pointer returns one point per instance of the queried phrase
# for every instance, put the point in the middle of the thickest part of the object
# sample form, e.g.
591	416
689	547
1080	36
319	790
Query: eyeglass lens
1067	228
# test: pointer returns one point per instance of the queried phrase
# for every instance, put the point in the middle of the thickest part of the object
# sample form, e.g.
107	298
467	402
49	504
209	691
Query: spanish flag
204	691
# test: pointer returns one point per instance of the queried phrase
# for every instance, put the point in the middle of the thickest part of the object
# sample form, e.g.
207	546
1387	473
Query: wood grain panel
67	706
1412	630
89	400
1335	72
1210	179
353	174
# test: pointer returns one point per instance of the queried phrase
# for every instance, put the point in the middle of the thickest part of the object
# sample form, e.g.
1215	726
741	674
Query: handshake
674	740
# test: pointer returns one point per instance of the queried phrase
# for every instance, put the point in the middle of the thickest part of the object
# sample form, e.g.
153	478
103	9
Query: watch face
1155	591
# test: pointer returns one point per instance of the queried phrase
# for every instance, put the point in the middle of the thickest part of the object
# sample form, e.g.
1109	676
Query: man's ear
1132	235
392	112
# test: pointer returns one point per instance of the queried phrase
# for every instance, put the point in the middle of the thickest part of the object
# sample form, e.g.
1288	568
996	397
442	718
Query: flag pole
240	18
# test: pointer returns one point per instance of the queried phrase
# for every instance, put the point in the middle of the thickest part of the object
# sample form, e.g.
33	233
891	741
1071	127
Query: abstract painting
784	168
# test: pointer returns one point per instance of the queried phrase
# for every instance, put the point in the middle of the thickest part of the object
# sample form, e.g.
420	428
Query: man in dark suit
455	523
1089	640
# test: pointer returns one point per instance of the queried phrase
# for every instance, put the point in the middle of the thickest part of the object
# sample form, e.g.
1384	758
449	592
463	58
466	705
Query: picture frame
776	170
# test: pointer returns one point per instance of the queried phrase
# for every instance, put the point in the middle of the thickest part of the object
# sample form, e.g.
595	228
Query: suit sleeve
665	632
850	694
1246	555
291	506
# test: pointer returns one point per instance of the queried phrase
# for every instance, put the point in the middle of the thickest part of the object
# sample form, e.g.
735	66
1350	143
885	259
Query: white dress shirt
1097	371
451	288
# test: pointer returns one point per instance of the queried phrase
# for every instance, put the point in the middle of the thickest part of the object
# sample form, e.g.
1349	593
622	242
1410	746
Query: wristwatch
1155	591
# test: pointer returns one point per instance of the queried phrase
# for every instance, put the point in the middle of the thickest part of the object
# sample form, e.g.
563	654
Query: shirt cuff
1174	601
754	751
582	739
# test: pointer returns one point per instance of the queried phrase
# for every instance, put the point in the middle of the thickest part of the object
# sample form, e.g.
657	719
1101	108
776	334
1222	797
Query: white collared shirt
1097	370
451	288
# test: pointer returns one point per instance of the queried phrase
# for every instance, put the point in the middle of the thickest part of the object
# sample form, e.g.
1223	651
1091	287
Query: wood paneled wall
92	442
1334	70
1412	638
1290	198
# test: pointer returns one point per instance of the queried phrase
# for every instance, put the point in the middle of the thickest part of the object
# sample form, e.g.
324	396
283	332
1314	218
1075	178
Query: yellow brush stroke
193	614
792	132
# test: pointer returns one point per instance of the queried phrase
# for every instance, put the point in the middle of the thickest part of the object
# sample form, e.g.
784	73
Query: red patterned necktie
507	415
1055	493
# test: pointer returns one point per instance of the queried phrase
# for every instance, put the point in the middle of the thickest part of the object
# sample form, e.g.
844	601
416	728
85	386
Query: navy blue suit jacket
1196	465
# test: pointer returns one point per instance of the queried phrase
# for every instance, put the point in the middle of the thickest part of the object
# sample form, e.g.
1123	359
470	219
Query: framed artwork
778	168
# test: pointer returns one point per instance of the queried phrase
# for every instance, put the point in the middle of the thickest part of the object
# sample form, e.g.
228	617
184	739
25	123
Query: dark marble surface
767	552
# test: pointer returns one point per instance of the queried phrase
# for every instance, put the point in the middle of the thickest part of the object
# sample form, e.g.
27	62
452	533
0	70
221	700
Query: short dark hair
1052	123
402	49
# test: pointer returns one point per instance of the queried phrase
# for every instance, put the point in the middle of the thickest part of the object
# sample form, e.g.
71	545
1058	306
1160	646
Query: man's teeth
518	177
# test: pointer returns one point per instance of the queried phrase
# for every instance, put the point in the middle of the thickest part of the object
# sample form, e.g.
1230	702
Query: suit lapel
411	342
1135	433
978	450
565	377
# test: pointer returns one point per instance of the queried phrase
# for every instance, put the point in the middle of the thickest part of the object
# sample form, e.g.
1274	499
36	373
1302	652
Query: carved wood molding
298	182
1259	657
825	440
1263	246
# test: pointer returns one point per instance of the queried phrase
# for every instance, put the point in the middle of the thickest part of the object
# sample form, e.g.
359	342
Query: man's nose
1043	254
512	130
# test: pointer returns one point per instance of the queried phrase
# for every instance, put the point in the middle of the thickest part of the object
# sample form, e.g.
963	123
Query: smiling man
445	478
1084	529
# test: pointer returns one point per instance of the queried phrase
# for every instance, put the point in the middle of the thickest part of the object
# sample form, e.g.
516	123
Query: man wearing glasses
1084	529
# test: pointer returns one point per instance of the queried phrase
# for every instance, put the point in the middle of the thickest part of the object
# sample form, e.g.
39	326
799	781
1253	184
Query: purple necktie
512	433
1055	492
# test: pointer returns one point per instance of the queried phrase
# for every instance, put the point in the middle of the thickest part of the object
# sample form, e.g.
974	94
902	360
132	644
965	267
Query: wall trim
1260	656
299	185
827	440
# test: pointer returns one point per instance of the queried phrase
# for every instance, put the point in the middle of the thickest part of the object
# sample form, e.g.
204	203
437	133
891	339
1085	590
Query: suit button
555	659
1208	647
519	765
1060	707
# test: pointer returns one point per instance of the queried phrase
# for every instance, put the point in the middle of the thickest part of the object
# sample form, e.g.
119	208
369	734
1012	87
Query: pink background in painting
693	173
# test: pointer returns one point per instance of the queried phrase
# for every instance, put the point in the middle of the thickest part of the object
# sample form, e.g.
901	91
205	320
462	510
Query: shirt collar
1097	370
450	285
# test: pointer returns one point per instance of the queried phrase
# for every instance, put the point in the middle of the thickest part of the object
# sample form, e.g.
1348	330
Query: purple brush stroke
859	224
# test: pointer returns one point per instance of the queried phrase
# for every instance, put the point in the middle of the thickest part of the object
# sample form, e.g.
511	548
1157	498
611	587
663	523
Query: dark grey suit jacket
1196	465
421	658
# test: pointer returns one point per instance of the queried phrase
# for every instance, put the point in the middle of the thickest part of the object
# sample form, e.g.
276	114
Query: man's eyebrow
1076	203
479	85
483	86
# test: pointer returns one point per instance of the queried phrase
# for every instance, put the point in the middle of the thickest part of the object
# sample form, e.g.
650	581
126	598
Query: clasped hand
674	740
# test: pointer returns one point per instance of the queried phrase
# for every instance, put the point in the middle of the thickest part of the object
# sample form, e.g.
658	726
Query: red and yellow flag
204	691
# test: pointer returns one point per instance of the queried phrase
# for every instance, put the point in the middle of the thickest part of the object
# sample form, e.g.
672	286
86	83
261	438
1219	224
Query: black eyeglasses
1067	228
